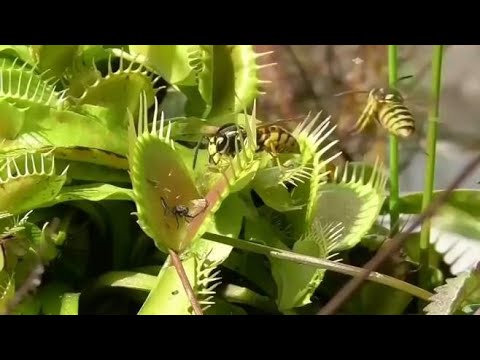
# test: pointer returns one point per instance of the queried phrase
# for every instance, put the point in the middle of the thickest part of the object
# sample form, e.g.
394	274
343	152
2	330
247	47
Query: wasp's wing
288	124
197	206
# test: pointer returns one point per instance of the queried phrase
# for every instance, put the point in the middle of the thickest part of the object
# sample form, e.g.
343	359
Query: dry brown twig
177	264
394	244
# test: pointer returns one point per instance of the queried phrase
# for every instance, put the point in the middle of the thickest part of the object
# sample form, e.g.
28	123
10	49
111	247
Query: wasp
272	137
387	107
187	213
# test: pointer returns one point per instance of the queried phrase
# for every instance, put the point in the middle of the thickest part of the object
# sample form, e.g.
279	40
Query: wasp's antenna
351	92
404	78
197	147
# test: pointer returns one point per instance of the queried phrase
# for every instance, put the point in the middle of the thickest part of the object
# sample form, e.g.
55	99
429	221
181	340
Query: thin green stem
394	162
430	169
319	263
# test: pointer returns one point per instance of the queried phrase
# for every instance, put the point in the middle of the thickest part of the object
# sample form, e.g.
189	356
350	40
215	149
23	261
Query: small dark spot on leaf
175	292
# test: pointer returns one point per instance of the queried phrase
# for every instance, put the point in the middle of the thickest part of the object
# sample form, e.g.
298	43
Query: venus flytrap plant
51	95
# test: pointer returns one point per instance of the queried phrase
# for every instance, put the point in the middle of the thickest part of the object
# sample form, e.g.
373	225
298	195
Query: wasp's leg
176	218
165	206
273	153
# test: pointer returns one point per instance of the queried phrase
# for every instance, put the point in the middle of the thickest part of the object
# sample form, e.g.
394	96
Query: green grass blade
394	163
431	150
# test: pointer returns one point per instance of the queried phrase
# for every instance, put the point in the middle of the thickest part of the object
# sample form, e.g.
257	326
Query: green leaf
92	192
89	171
123	231
459	216
462	199
168	296
11	120
457	293
274	194
222	307
377	299
242	295
29	306
45	128
125	279
253	268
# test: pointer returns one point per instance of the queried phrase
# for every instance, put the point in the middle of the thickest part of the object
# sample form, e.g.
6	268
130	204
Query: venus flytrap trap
31	186
217	79
312	149
54	59
25	86
359	199
117	90
162	189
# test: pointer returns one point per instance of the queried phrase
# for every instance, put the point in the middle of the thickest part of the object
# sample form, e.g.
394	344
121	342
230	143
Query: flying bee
271	137
387	107
188	213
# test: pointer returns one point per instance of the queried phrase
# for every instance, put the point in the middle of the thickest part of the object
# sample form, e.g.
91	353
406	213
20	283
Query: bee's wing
196	207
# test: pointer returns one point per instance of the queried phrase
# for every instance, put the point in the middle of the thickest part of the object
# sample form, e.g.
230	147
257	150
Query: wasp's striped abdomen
397	119
386	106
275	139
